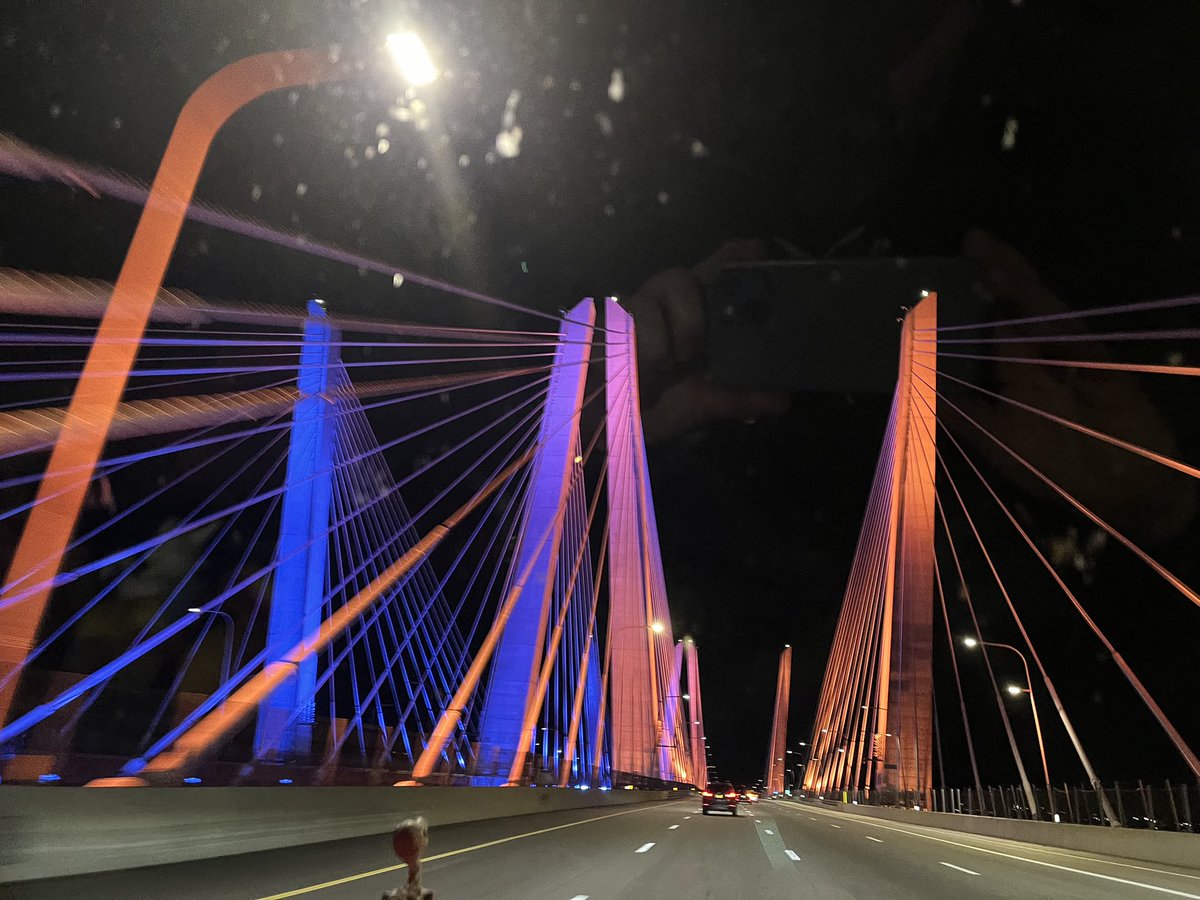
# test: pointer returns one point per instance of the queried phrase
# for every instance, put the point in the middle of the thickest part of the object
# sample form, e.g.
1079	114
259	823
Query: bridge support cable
1093	779
1185	751
586	684
243	703
143	647
454	712
98	392
538	699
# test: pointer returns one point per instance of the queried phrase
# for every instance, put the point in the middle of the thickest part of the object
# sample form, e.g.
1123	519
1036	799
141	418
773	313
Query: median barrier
1164	847
49	831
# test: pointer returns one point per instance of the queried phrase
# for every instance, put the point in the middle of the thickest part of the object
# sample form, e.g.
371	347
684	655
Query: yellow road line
516	837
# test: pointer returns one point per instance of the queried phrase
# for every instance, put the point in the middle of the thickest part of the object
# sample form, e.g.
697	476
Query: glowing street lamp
1015	690
408	52
657	627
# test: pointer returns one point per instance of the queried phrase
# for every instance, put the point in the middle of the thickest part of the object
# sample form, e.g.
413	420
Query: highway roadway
775	849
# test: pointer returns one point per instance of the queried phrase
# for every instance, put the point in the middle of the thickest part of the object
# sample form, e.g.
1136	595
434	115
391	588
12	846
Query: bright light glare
657	627
411	58
1013	689
970	642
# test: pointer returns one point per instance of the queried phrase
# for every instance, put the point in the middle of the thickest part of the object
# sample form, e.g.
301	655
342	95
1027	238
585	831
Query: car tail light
706	794
731	794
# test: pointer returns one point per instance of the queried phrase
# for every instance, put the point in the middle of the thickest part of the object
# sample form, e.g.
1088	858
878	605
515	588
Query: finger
670	318
741	250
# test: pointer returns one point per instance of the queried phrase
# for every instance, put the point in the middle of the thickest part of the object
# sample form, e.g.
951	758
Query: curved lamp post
34	571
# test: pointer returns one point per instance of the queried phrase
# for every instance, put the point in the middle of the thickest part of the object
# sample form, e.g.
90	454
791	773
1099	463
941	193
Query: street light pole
227	651
1037	724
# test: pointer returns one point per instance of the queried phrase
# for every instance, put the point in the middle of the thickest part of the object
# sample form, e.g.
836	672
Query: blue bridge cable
378	609
216	516
105	591
513	454
112	464
41	712
431	598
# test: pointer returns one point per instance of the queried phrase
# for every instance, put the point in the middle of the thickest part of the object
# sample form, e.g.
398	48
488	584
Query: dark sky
804	119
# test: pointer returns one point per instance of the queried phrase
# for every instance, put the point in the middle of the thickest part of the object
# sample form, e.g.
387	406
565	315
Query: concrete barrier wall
52	831
1168	847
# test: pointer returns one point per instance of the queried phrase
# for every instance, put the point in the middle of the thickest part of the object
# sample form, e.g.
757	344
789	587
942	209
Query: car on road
719	796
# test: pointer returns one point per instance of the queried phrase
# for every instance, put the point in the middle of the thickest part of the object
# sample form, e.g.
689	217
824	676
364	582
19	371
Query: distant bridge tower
777	751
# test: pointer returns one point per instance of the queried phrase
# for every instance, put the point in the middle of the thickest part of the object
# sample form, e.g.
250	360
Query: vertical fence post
1174	808
1120	803
1188	824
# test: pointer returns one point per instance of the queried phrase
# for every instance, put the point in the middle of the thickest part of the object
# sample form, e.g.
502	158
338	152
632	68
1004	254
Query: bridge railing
1155	807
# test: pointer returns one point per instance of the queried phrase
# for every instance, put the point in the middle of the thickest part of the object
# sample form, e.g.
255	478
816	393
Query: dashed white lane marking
672	827
687	817
957	868
580	897
837	826
812	818
768	831
792	854
876	840
644	847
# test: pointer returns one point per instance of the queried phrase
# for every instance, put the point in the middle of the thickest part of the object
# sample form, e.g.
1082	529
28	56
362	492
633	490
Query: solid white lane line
959	868
876	840
792	855
1092	859
644	847
1034	862
672	827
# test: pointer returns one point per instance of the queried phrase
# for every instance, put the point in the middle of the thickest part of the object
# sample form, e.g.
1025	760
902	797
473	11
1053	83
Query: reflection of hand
669	313
1129	491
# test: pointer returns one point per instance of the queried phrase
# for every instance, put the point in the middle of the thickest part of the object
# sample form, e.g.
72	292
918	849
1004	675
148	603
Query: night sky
1068	130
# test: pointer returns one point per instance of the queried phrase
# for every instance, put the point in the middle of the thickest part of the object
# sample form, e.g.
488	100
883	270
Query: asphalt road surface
775	849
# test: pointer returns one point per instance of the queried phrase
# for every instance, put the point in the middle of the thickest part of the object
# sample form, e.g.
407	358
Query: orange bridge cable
1151	455
860	615
581	682
1180	744
220	724
1092	312
12	594
863	654
452	715
1163	334
534	707
851	619
1083	758
30	430
953	647
987	660
1144	369
1158	567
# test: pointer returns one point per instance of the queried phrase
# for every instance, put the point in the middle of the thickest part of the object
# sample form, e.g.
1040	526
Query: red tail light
731	794
706	794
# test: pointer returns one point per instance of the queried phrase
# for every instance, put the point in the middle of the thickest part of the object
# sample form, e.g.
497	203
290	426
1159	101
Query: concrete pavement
775	849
